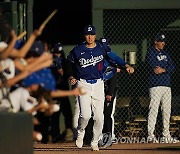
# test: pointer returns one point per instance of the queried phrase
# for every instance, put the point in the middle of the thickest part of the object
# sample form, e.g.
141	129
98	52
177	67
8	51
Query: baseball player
88	59
112	61
159	80
59	70
110	77
111	64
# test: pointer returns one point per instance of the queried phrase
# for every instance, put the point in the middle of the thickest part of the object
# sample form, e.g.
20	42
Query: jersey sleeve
170	67
116	59
26	104
151	59
111	56
71	56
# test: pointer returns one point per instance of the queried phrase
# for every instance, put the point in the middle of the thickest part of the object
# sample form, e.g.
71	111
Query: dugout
131	26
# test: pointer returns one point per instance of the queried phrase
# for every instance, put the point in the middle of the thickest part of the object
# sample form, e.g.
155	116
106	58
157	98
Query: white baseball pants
91	105
160	94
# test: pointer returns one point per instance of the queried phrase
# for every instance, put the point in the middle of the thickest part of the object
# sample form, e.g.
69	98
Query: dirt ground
120	148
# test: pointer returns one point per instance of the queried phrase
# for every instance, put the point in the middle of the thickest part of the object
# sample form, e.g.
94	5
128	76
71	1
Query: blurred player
59	70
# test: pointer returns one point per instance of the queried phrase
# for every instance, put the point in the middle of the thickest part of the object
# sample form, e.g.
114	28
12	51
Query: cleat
95	148
79	143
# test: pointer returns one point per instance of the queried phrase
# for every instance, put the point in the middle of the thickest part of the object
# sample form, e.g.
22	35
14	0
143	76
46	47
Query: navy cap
160	37
58	48
90	29
19	44
104	40
37	48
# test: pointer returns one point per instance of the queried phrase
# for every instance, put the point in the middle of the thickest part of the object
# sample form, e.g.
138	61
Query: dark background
67	25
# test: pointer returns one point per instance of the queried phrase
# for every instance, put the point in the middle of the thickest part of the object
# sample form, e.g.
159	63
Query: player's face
90	39
159	45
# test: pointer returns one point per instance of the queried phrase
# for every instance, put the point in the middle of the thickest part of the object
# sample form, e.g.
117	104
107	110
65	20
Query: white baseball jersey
20	99
8	68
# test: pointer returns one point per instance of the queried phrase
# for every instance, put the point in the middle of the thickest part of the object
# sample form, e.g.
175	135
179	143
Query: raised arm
6	52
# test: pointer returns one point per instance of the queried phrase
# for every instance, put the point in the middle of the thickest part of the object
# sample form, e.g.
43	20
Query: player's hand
72	81
118	70
108	98
43	106
159	70
37	32
35	121
78	91
13	35
61	71
129	69
45	56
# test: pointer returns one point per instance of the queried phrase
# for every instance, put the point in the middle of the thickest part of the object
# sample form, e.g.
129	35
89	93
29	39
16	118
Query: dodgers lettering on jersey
162	57
92	61
88	61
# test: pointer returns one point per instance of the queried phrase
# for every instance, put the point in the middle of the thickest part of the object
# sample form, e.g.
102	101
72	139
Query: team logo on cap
60	48
36	49
90	29
104	40
163	36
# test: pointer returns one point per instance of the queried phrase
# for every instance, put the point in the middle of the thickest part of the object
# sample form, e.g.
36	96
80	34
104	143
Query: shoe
152	139
80	137
57	139
44	140
69	135
95	148
79	143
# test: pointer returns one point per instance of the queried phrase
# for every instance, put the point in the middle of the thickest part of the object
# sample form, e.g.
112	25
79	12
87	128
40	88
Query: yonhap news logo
106	140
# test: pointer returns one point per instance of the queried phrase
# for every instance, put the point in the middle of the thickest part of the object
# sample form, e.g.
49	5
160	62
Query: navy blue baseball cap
37	48
58	48
90	29
19	44
160	37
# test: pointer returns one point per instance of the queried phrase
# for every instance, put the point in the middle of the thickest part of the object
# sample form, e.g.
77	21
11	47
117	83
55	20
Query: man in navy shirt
159	81
88	60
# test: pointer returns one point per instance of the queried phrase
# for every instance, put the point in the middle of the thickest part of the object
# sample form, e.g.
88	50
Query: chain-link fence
138	28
